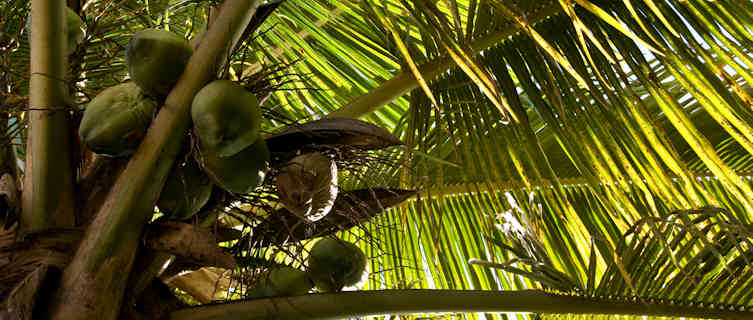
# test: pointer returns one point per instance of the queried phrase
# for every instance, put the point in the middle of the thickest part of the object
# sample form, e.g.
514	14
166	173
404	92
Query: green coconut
116	120
334	264
186	190
156	59
239	173
75	32
226	117
281	282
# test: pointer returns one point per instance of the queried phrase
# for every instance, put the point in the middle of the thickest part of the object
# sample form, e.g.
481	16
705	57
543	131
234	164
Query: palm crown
591	149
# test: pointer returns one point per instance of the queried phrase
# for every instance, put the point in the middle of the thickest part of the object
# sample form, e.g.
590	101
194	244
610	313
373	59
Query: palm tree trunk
48	198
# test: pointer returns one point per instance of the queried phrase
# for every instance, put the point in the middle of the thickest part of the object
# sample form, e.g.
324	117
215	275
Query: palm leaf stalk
366	303
110	244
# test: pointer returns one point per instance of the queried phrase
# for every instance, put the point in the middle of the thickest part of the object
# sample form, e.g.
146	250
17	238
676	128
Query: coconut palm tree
572	158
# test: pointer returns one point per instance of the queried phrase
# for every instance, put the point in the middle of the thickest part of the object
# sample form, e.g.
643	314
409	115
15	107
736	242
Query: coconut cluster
226	117
116	119
229	153
226	121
